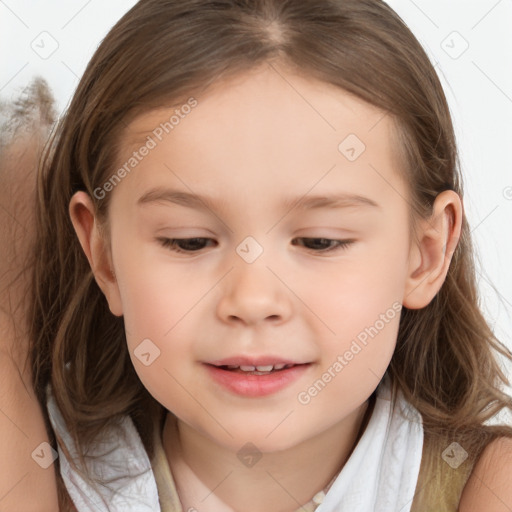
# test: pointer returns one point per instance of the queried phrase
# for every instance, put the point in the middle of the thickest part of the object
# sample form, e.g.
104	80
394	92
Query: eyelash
171	243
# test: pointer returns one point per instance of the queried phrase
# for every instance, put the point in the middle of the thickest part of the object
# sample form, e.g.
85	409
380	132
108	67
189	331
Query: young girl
254	287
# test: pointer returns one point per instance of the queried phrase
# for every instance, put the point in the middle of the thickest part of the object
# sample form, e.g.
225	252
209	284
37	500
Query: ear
431	253
95	247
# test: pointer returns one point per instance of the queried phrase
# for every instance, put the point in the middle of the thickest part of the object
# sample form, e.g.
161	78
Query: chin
266	438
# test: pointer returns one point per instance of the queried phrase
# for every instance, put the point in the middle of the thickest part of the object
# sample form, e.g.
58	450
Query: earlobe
94	245
430	256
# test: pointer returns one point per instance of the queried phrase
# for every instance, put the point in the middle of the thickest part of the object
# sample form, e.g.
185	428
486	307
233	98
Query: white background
478	84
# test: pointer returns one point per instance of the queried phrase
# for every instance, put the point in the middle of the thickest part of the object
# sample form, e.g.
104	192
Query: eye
184	245
191	245
324	244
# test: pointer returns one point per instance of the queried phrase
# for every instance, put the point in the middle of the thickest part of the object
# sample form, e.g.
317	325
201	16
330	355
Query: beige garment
168	494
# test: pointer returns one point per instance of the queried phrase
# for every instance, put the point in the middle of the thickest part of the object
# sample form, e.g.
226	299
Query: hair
162	51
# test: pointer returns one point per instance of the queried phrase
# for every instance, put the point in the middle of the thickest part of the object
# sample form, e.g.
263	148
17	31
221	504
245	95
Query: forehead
265	127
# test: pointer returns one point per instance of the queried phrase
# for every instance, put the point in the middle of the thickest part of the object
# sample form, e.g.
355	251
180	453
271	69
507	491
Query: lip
255	385
253	361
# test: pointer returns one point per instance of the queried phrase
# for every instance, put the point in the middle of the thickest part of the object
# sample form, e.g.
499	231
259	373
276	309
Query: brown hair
162	51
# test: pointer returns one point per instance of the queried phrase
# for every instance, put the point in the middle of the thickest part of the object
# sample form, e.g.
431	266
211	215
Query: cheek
352	294
359	303
155	295
154	317
160	305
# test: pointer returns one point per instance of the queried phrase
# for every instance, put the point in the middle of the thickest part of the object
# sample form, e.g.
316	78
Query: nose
252	293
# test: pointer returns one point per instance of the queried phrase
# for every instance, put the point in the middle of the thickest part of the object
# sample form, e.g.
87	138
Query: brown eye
196	244
185	245
324	244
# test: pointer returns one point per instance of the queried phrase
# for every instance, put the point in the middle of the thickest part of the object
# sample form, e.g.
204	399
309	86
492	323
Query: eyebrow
307	202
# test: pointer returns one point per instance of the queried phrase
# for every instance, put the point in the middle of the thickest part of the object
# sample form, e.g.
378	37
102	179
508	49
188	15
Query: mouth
255	378
255	370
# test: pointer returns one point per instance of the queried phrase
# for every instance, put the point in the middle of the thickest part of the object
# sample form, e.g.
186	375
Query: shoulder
489	486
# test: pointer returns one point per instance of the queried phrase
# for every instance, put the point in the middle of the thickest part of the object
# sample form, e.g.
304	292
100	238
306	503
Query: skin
488	487
22	427
251	143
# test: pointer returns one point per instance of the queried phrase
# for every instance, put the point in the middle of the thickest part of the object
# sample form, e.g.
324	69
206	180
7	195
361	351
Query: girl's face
290	191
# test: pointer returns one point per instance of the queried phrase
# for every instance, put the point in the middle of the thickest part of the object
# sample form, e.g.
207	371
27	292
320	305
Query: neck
210	478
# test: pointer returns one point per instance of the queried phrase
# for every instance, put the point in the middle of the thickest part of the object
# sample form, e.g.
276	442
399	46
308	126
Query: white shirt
379	476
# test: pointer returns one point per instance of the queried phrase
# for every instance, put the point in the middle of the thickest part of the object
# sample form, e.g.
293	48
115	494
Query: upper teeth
267	368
